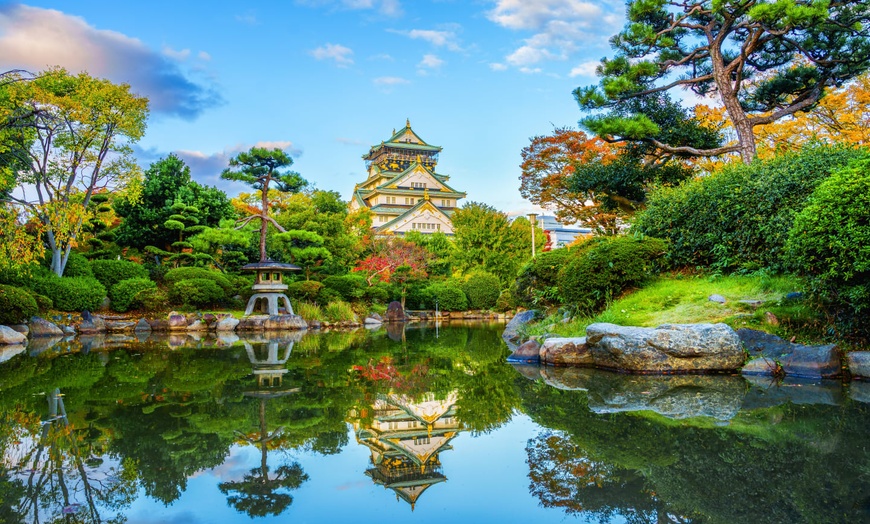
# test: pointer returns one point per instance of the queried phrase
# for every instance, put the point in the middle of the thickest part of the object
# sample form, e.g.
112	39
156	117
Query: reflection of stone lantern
269	287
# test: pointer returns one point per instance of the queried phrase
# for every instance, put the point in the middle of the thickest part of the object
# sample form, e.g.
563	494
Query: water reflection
95	428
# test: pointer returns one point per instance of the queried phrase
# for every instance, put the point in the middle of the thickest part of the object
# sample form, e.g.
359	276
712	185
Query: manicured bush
349	287
304	290
829	243
605	268
482	290
339	311
505	301
16	305
377	294
71	293
537	284
197	292
242	285
152	299
77	266
42	302
110	272
449	295
123	294
187	273
738	218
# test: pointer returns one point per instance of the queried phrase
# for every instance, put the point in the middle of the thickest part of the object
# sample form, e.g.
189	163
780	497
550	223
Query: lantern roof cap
270	265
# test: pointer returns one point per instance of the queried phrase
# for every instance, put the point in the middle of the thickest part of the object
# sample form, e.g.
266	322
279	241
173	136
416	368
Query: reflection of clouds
353	485
185	517
239	463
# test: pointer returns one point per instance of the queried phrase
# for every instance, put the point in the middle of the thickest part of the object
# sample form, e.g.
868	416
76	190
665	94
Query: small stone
226	324
68	330
761	366
142	326
158	324
119	326
106	304
859	363
754	304
197	325
10	336
373	319
794	295
91	325
39	327
177	321
719	299
770	318
315	324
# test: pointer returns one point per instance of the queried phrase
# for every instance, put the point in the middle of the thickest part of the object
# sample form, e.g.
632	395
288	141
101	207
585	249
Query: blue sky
326	79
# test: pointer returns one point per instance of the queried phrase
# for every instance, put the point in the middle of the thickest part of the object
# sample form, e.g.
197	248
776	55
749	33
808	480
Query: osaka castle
403	191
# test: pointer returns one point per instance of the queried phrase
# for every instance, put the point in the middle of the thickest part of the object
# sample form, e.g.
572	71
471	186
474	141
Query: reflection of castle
405	439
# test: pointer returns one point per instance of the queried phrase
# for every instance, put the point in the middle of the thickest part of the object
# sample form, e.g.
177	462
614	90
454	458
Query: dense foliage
110	272
829	243
738	218
123	294
197	292
605	267
482	290
71	293
537	284
16	305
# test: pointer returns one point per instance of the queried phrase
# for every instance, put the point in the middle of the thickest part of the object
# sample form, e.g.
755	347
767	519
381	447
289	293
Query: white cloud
584	69
391	8
390	81
202	55
530	70
560	27
437	38
176	55
340	54
33	38
431	62
498	67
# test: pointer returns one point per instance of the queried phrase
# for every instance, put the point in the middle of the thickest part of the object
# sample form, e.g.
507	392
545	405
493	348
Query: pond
420	423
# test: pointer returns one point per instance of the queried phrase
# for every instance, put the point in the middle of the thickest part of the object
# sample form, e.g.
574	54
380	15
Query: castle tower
403	191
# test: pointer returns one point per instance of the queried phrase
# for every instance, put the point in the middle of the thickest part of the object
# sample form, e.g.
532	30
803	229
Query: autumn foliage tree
395	260
764	59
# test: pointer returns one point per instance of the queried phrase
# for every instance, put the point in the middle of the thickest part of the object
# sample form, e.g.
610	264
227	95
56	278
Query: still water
418	424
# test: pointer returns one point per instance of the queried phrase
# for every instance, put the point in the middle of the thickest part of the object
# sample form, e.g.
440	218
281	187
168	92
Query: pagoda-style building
405	439
403	191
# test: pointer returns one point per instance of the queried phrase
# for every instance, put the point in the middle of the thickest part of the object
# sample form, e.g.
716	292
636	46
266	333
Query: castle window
422	440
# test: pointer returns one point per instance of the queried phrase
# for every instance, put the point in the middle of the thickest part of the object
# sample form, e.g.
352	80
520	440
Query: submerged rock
665	349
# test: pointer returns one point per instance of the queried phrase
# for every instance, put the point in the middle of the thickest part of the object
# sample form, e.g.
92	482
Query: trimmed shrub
152	299
829	243
417	296
482	290
605	268
307	290
505	301
110	272
16	305
197	292
377	294
242	285
77	266
538	282
339	311
449	295
349	287
178	274
42	302
738	218
123	294
71	293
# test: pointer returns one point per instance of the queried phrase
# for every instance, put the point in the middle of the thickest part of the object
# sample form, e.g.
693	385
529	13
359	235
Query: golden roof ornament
408	123
426	194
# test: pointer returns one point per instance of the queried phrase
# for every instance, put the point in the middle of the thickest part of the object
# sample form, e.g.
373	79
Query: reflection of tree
62	481
258	494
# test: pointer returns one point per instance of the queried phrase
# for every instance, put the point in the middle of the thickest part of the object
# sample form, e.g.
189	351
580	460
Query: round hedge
187	273
349	287
77	266
152	299
196	292
16	305
71	293
829	243
605	267
449	295
110	272
482	290
538	282
307	290
123	294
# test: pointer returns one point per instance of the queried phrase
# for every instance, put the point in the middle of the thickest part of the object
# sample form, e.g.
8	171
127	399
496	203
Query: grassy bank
680	299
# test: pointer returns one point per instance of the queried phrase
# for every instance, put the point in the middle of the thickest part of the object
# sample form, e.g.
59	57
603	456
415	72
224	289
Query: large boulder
859	364
177	322
120	326
9	336
226	324
252	323
511	330
395	312
374	319
566	352
285	323
796	360
666	349
39	327
527	353
91	325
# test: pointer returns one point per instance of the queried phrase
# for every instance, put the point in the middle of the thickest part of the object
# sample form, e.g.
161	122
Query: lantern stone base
267	303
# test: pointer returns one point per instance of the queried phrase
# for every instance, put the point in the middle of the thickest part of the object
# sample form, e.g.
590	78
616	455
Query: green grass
309	311
683	299
338	311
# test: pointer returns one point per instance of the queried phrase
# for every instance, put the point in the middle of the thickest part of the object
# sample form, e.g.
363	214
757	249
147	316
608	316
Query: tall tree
259	168
79	133
765	59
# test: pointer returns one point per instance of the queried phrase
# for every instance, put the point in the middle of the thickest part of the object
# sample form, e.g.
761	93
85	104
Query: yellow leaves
18	248
65	220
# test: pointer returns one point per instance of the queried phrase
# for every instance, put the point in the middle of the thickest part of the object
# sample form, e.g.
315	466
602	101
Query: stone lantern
269	287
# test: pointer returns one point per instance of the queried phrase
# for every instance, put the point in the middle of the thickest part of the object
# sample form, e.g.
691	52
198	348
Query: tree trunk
264	222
